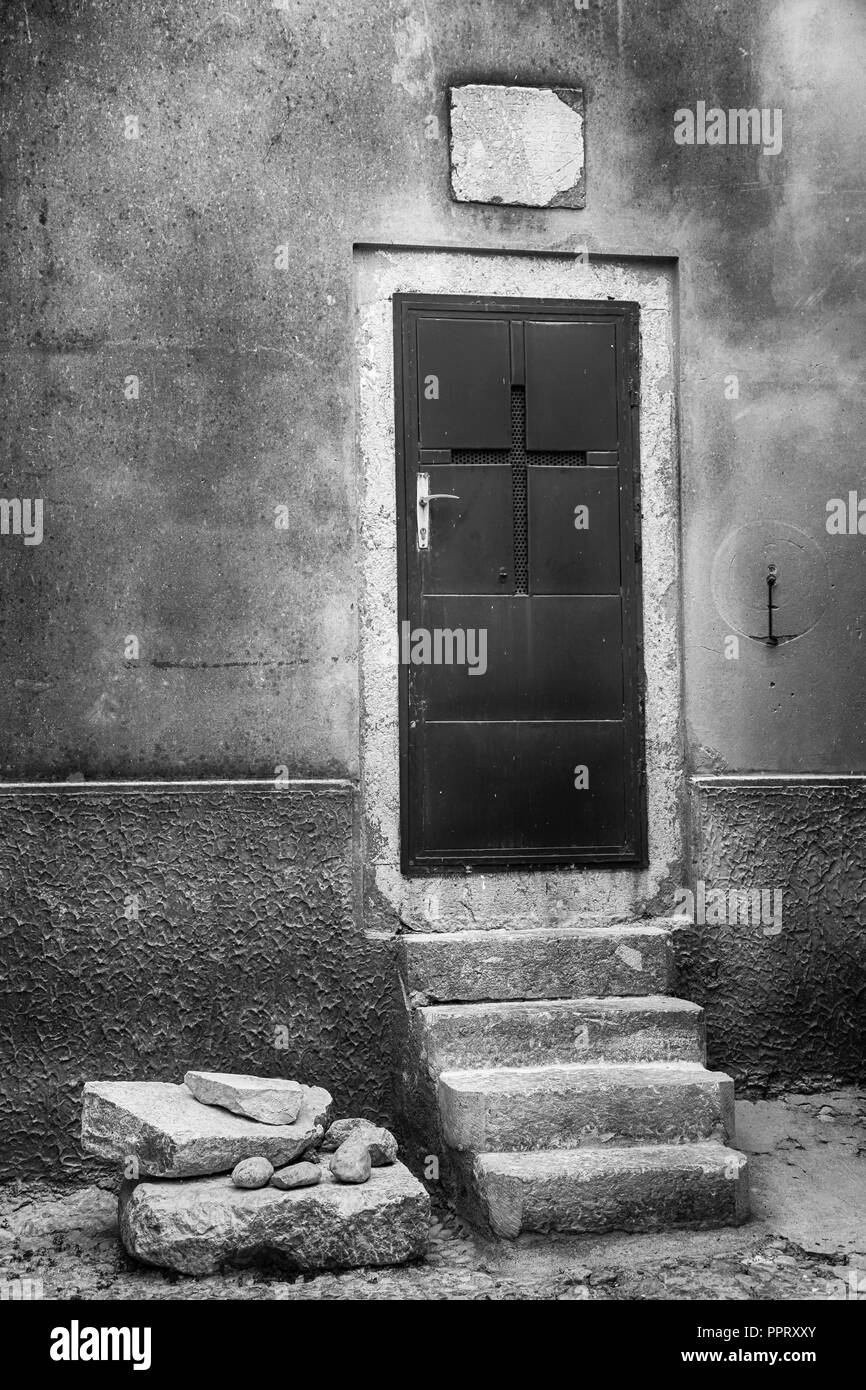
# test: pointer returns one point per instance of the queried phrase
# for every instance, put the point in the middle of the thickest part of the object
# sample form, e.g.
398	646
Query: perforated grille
518	490
519	457
480	455
547	460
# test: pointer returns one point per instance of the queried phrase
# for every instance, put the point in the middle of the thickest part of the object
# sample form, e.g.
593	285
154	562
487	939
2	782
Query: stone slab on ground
170	1134
270	1099
195	1227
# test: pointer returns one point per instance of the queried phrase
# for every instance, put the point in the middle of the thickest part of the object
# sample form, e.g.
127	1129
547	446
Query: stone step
543	963
647	1028
641	1188
501	1109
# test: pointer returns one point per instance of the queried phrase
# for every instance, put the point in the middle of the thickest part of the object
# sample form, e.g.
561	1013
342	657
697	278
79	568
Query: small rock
380	1142
253	1172
272	1100
297	1175
351	1162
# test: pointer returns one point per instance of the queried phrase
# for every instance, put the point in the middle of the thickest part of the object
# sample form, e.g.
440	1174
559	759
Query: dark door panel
573	659
511	788
571	386
521	716
553	659
464	377
574	530
471	541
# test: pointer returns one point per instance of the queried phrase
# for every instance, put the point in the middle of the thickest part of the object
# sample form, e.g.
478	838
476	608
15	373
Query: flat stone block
193	1227
646	1028
570	1107
521	146
170	1134
632	1189
537	963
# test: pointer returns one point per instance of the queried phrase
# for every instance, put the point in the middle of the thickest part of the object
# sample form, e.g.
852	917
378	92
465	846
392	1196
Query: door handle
422	508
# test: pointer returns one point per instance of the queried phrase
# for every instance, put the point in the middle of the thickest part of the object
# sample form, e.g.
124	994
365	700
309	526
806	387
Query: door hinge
634	363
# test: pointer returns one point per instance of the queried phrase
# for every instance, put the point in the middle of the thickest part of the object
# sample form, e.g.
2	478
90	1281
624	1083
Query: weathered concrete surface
808	1155
654	1028
635	1189
807	1237
176	927
784	1009
313	129
517	145
170	1134
545	964
271	1100
193	1227
562	1107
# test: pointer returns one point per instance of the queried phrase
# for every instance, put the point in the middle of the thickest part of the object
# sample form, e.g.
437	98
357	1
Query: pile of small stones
256	1172
356	1144
357	1147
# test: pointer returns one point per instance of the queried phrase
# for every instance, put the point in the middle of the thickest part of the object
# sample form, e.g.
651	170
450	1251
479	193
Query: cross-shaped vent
519	458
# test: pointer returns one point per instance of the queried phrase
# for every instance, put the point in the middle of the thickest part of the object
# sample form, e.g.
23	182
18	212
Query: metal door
521	710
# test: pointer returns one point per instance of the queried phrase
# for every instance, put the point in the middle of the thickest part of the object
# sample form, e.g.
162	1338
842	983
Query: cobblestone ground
807	1238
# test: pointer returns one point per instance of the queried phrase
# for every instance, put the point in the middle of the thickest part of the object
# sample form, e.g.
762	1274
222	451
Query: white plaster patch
521	146
629	956
566	897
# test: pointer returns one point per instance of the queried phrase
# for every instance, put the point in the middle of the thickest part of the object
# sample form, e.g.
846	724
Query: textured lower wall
785	1010
245	924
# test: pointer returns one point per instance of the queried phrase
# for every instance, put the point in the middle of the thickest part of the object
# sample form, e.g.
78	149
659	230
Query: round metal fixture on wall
770	582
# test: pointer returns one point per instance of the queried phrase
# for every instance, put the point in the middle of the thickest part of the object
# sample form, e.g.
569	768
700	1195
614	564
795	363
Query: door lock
422	509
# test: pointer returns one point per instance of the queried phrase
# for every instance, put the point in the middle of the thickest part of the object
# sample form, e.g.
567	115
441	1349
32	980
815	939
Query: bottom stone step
642	1188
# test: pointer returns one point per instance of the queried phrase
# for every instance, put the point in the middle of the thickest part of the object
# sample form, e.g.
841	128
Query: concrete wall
314	128
148	929
784	993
